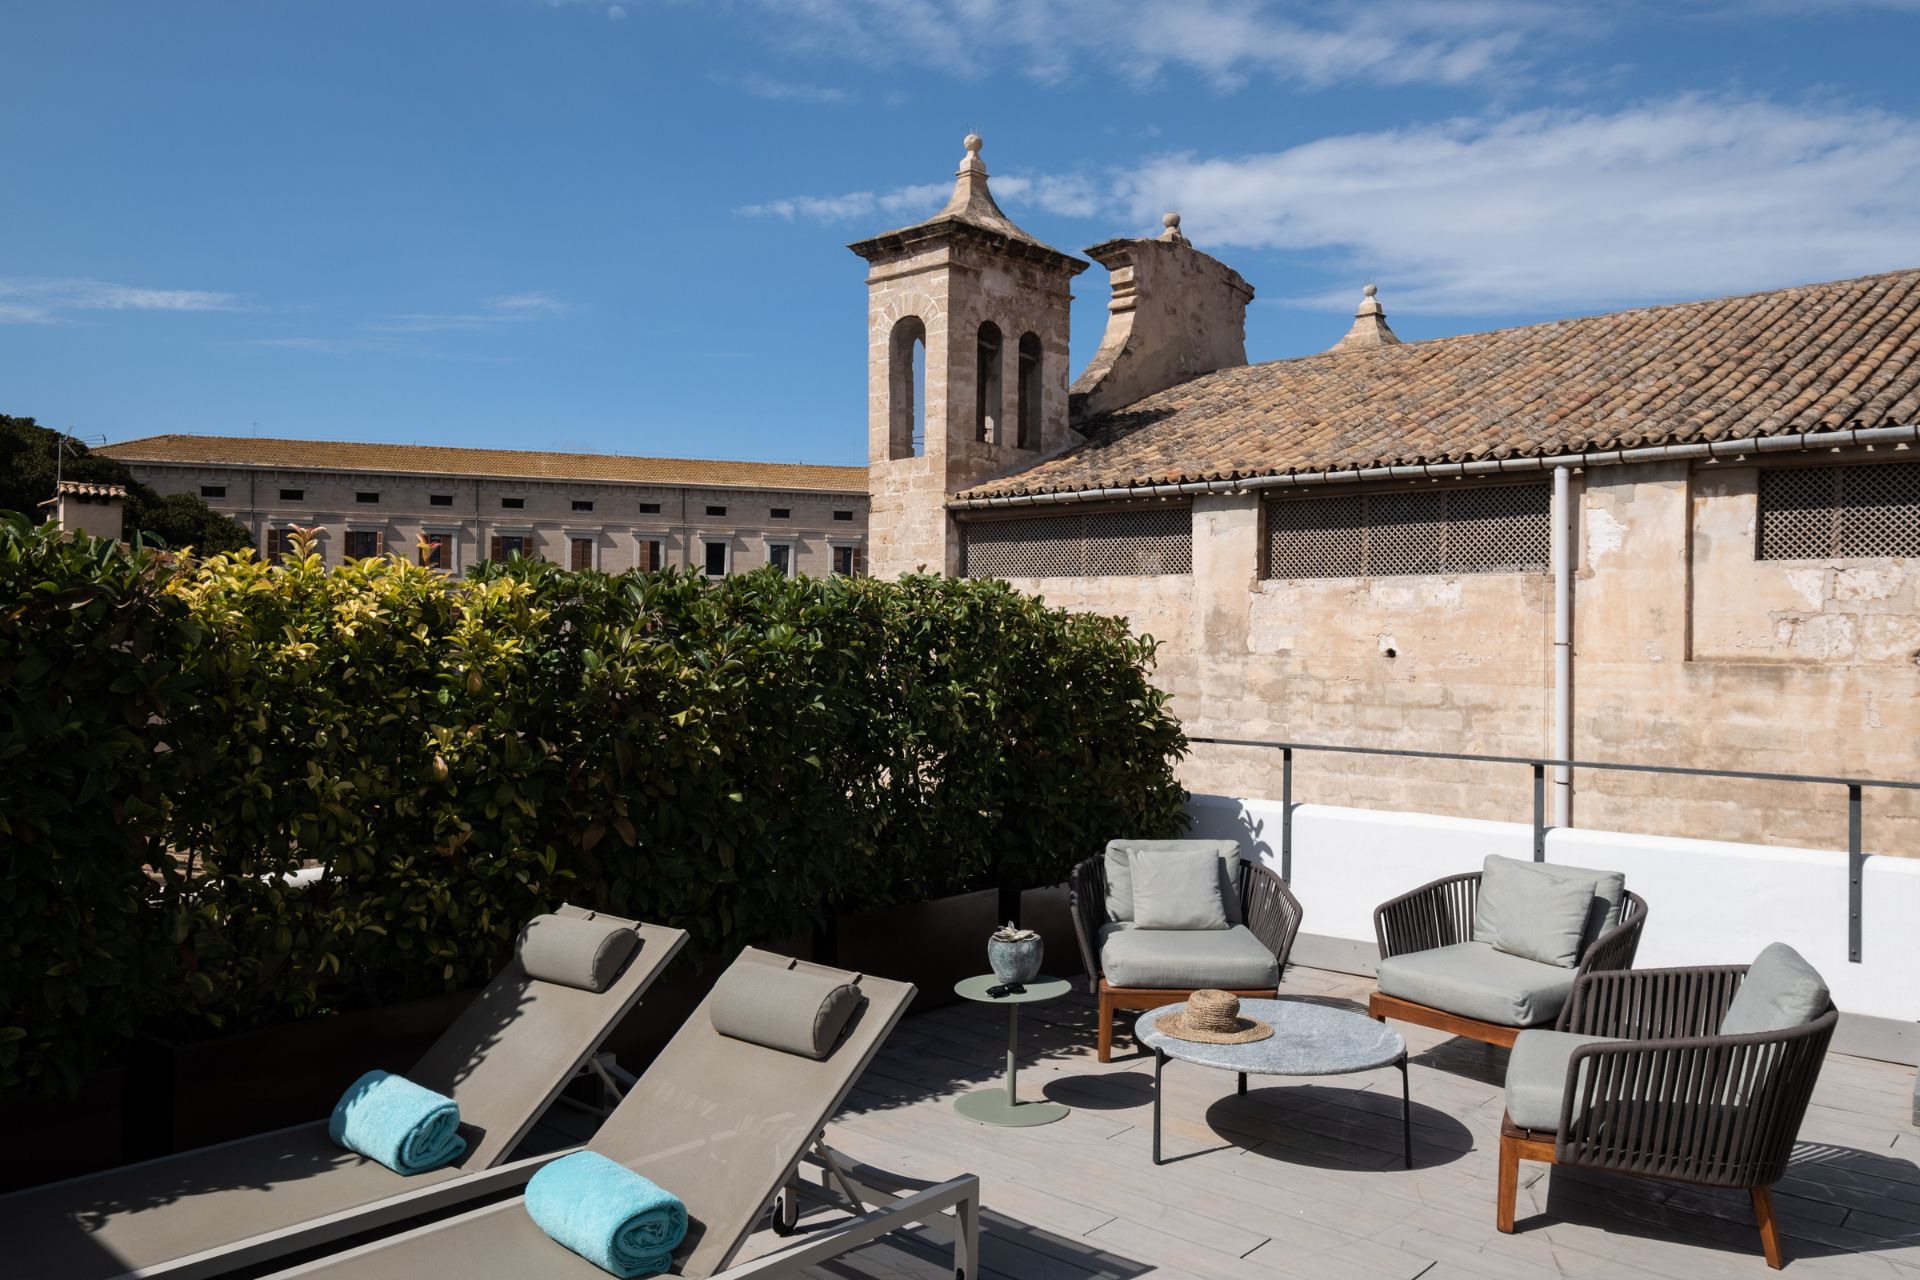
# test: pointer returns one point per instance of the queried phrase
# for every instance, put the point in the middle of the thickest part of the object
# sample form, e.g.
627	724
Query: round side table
1000	1105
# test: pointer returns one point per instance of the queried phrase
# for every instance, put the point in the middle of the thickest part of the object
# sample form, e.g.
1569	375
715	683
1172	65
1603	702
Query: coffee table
1307	1040
999	1105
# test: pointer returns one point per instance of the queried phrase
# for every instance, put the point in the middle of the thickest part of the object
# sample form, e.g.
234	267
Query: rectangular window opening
581	550
583	504
716	511
849	562
1124	542
845	517
439	499
366	498
293	495
362	544
780	513
716	559
513	504
213	491
653	555
1838	513
1483	529
649	508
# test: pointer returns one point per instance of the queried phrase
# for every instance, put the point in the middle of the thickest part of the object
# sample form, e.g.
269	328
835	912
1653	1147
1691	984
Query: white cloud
512	308
1069	195
1225	42
761	86
1551	210
50	301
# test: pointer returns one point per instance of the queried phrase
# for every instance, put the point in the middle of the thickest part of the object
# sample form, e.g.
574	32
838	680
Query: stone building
1684	535
455	507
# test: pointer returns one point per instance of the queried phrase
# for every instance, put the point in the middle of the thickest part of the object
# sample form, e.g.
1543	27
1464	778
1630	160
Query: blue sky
622	226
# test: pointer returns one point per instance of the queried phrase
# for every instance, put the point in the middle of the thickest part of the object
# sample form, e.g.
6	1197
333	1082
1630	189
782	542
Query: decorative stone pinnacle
1171	221
1369	324
973	142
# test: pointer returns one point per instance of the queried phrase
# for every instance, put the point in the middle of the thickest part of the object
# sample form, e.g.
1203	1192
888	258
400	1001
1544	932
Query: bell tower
966	366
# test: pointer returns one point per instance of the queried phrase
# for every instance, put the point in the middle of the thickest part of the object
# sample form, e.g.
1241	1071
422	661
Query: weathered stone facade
1689	647
620	523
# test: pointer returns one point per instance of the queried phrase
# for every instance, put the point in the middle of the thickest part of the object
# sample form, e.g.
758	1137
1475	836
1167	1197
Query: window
1490	529
279	544
213	491
1823	513
780	556
513	504
1027	434
508	545
362	543
845	517
367	499
583	504
581	554
716	511
716	559
1122	542
649	508
907	389
780	513
293	495
436	550
986	385
849	561
653	555
440	499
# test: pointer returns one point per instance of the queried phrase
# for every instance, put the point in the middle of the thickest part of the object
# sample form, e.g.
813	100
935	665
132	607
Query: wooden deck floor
1304	1179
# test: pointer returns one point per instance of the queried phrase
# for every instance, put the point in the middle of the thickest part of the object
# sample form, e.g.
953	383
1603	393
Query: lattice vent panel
1821	513
1496	529
1105	544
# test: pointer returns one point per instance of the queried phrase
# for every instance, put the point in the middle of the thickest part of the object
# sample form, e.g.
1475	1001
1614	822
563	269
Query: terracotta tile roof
88	490
1821	357
515	464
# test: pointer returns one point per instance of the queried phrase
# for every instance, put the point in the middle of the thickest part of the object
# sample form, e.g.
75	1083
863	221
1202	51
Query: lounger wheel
786	1214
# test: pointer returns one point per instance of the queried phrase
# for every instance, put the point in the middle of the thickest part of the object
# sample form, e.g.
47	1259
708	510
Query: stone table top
1308	1040
1040	989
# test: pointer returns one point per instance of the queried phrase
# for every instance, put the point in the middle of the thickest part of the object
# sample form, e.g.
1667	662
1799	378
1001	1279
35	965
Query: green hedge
739	758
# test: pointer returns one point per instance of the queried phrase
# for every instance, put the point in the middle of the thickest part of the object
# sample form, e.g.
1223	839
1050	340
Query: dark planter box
930	944
187	1094
52	1138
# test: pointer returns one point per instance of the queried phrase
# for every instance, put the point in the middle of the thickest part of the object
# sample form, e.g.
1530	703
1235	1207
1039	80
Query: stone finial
1171	221
1369	325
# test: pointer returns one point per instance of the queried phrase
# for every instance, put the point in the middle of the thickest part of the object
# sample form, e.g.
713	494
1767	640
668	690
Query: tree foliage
262	790
28	460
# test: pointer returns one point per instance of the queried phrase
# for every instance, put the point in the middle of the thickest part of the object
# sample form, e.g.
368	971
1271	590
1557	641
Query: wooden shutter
582	554
495	549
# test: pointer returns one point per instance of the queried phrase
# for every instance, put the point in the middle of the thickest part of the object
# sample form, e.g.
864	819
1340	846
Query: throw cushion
1609	890
793	1010
1543	917
1177	889
1781	990
1119	868
577	951
1231	959
1537	1077
1475	981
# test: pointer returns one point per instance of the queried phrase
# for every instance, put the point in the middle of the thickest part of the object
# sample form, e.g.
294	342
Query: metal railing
1856	857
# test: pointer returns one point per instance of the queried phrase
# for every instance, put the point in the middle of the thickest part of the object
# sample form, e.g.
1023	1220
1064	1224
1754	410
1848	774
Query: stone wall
1688	651
616	524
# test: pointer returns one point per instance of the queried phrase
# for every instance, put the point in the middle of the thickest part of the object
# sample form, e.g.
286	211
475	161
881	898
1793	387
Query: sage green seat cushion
1475	981
1186	960
1537	1076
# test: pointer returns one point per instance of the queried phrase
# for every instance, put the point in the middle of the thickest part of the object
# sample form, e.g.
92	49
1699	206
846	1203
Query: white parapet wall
1709	902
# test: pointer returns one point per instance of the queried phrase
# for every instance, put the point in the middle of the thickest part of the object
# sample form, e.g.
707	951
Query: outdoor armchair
1134	963
1670	1074
1440	965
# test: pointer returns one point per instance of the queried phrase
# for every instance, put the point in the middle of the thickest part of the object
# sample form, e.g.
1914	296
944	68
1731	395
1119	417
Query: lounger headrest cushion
792	1010
575	951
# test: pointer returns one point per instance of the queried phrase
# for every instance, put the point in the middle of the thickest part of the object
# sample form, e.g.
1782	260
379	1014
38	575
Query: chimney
95	510
1369	326
1176	313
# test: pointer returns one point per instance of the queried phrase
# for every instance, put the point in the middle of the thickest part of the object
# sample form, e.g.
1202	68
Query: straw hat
1212	1017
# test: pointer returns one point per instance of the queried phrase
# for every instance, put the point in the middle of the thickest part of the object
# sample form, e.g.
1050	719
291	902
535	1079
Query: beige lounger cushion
792	1010
576	951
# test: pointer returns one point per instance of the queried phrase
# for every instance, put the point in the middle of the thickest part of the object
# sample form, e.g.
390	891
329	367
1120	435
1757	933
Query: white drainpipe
1564	526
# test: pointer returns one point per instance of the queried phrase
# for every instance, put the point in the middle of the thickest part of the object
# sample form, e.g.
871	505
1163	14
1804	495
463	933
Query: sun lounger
209	1211
722	1123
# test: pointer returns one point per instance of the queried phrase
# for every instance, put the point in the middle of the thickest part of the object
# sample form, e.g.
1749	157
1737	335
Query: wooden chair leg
1509	1189
1769	1228
1106	1027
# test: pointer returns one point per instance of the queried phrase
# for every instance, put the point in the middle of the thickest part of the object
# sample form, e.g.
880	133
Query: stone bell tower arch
967	325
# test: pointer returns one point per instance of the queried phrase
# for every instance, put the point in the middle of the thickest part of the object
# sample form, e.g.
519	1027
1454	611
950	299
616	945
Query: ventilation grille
1819	513
1497	529
1104	544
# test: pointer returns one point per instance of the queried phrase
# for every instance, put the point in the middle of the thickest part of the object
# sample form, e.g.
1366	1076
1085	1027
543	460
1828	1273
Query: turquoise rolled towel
389	1118
608	1214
